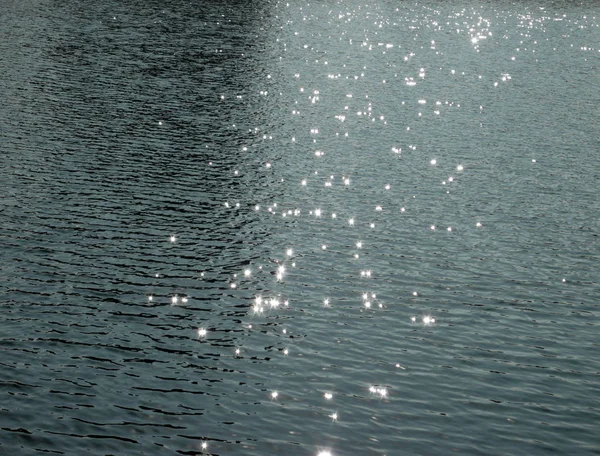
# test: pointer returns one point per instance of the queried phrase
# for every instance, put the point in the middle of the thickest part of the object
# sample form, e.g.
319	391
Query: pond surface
270	228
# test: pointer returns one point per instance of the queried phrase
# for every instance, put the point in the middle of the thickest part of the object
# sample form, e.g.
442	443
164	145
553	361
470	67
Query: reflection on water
281	228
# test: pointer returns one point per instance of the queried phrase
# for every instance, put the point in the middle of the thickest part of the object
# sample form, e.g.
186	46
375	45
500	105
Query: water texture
293	228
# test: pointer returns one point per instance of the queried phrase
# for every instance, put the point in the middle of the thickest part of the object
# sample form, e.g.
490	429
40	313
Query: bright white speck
204	445
150	298
427	320
325	453
285	351
324	247
174	299
184	300
433	162
328	396
326	302
247	272
449	228
289	252
351	222
334	416
413	319
173	239
415	293
478	224
274	394
202	332
432	227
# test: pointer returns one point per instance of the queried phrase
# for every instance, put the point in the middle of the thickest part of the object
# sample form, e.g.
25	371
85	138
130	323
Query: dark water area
293	228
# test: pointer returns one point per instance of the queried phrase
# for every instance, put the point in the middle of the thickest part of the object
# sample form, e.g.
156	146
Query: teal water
297	228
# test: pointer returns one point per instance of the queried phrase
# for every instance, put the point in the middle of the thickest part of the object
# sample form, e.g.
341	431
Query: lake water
325	228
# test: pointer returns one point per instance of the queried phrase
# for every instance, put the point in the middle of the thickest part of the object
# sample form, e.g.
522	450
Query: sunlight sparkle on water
427	320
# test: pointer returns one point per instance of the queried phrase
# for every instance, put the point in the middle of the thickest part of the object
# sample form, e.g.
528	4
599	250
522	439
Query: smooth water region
293	228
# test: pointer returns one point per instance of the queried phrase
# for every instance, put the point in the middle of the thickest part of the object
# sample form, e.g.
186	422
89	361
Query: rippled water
218	221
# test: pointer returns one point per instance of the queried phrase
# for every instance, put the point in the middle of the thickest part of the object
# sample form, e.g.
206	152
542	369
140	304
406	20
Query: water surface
385	213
